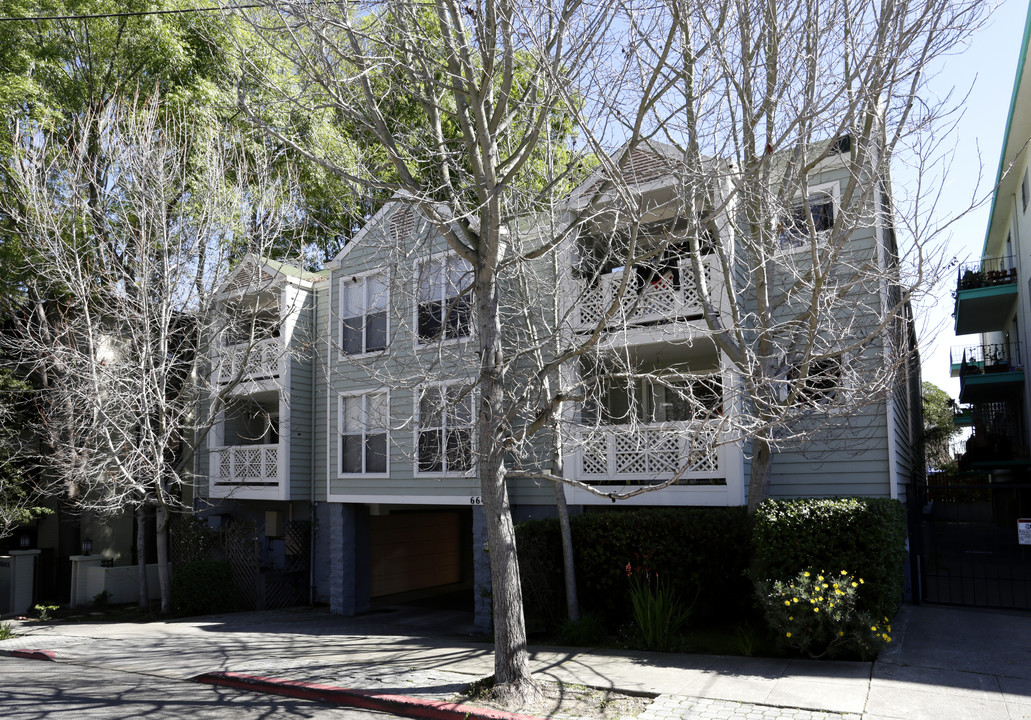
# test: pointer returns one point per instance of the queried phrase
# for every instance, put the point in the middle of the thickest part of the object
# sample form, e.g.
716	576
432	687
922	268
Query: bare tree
725	112
129	227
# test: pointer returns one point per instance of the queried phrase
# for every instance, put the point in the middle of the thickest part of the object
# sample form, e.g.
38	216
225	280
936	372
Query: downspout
313	506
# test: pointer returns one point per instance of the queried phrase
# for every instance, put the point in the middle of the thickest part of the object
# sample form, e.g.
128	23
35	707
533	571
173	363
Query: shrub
7	631
203	587
45	612
658	612
865	535
816	614
588	630
701	553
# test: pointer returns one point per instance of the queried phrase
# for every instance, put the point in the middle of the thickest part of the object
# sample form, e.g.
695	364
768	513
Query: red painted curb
31	654
366	699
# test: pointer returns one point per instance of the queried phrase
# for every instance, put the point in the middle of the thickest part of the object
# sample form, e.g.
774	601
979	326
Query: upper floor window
445	308
822	383
363	313
793	230
363	433
445	429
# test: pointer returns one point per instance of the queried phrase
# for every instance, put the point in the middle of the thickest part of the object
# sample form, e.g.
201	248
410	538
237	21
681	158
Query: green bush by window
865	535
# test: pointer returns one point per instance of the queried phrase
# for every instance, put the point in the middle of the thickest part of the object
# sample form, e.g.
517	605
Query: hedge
203	587
864	536
702	552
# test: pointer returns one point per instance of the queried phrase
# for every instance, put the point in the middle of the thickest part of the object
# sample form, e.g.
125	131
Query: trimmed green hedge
865	536
702	552
203	587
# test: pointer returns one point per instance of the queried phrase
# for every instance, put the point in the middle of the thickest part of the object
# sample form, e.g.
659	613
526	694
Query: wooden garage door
410	551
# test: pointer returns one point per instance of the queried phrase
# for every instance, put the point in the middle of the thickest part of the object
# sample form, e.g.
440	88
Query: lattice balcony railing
248	464
661	300
260	363
646	454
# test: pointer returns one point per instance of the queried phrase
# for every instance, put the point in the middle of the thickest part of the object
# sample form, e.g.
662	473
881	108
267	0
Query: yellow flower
861	581
791	617
887	639
835	586
787	602
816	609
794	599
787	634
854	585
844	573
841	633
874	628
806	573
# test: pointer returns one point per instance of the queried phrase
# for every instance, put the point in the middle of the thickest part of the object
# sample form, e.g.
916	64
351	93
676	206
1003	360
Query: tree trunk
512	677
141	557
161	546
759	477
568	566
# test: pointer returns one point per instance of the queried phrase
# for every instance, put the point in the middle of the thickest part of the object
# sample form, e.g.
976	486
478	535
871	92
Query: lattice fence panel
240	540
289	586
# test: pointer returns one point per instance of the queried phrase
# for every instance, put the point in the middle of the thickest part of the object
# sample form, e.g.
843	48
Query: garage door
410	551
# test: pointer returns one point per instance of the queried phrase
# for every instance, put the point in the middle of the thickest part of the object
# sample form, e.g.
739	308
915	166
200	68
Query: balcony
998	440
261	363
986	294
648	454
989	373
669	296
247	471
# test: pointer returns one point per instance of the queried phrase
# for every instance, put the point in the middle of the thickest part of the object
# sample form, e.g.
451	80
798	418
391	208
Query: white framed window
445	303
364	433
444	429
364	300
820	208
824	382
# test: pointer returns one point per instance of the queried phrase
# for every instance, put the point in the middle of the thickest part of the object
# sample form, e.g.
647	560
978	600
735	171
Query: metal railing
261	362
248	464
645	454
986	273
985	359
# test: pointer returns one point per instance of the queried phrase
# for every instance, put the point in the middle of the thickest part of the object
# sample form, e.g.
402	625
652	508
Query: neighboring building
374	429
972	532
991	306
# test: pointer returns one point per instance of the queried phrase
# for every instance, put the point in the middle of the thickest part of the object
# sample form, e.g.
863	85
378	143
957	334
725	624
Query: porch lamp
87	547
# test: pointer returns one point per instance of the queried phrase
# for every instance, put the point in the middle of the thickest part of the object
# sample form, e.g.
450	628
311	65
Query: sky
987	68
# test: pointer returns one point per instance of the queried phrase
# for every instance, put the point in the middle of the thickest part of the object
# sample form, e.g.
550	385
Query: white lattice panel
636	454
594	455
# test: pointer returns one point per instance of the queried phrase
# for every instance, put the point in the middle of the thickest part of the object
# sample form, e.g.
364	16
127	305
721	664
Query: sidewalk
945	663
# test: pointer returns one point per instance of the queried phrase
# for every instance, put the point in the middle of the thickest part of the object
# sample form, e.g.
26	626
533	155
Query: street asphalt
943	663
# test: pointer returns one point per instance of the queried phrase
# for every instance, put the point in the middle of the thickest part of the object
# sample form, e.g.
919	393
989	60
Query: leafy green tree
939	426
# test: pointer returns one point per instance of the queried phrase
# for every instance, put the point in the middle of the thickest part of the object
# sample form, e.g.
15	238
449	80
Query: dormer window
363	314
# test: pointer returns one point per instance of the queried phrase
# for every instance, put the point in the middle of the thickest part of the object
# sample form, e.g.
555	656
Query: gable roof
255	272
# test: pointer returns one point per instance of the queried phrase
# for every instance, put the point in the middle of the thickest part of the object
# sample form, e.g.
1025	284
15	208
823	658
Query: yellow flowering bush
816	614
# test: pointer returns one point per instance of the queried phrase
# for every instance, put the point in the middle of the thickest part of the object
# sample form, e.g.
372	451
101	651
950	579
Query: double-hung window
793	231
822	383
363	314
445	307
363	433
445	429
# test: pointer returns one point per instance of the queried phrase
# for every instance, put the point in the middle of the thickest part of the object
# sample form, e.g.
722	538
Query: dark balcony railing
989	272
985	359
998	433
